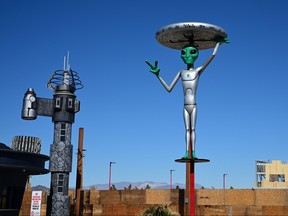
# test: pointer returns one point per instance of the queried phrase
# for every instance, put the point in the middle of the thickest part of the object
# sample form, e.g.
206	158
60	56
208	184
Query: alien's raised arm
173	83
156	70
210	58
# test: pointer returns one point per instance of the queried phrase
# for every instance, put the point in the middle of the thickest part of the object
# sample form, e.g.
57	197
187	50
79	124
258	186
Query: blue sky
127	116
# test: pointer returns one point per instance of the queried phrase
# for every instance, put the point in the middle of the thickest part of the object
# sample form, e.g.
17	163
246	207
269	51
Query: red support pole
187	191
192	181
190	195
192	188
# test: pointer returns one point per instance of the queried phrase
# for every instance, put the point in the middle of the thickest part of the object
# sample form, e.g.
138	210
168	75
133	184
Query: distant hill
123	185
140	185
134	185
40	188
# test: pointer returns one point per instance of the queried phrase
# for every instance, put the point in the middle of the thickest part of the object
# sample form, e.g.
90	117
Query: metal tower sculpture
62	109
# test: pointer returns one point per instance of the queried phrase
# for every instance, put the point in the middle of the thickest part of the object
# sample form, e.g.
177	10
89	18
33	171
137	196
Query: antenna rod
68	65
64	65
66	71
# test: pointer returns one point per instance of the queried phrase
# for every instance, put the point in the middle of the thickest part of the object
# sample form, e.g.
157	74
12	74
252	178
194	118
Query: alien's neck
190	66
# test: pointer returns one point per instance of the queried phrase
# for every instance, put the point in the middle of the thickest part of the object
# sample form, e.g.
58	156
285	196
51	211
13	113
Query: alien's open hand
154	68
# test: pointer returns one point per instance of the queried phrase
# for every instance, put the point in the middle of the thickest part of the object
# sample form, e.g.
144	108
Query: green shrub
159	210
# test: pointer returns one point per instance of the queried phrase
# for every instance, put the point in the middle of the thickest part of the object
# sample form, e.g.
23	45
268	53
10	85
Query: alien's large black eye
183	52
193	52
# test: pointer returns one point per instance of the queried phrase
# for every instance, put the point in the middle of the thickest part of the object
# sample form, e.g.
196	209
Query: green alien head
189	54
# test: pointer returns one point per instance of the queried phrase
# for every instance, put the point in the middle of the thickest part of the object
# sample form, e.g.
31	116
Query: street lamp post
224	181
171	178
110	174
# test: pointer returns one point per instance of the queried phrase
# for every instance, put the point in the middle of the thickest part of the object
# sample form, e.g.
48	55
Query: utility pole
171	179
79	174
224	181
110	174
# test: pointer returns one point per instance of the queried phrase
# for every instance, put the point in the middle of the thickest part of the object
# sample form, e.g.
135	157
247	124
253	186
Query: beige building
271	174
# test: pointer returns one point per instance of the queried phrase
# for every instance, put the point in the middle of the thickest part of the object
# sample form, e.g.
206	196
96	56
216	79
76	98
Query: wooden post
79	174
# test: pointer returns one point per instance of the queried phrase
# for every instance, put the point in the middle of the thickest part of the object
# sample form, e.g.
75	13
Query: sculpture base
192	160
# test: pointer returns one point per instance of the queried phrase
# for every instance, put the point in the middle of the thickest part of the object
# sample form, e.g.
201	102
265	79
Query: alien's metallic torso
189	82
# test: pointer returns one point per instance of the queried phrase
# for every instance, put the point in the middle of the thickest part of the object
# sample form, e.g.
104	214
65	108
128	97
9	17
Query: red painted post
190	195
192	181
192	188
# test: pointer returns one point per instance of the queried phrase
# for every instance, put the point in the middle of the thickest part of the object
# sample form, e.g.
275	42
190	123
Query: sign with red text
36	203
